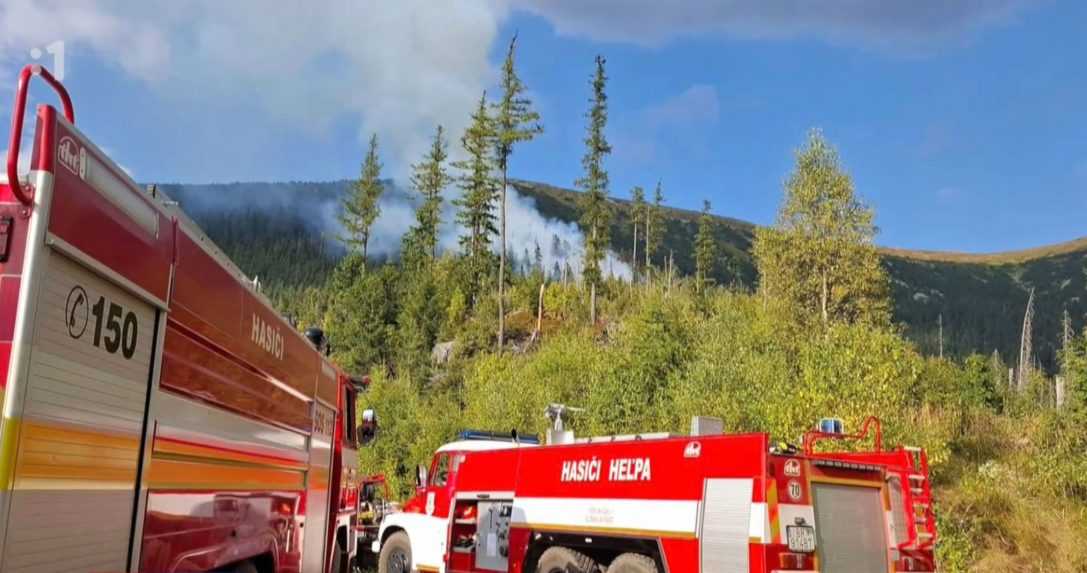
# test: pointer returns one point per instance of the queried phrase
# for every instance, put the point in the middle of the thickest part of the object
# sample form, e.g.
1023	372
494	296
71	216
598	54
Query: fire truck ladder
918	497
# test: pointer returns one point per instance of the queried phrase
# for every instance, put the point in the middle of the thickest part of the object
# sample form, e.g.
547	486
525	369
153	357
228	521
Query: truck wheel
563	560
395	554
240	567
632	563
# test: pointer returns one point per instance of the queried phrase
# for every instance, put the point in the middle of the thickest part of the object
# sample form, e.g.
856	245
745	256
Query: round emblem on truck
76	311
795	493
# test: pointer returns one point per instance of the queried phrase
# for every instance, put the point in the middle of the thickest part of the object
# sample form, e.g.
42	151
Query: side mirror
367	430
420	476
369	492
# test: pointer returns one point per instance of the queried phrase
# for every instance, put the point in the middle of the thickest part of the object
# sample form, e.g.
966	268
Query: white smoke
526	229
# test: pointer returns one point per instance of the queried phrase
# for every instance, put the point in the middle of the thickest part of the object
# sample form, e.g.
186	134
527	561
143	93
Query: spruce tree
705	248
654	227
429	178
595	211
538	259
479	190
820	255
515	122
637	210
361	206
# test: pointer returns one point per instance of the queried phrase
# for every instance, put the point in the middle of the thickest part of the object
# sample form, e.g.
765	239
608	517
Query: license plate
801	538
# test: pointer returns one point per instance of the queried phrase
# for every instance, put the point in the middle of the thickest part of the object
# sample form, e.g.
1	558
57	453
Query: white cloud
395	68
884	23
110	28
698	104
398	67
640	142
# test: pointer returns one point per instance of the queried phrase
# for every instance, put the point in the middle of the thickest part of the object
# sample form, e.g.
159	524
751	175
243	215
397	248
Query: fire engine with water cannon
649	503
158	414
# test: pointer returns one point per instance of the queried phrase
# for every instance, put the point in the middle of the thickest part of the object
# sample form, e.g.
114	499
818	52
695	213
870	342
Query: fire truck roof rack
847	465
625	438
870	423
514	436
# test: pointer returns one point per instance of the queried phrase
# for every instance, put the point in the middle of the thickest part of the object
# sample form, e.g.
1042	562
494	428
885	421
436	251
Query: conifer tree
479	190
429	178
705	248
538	259
515	122
654	229
596	213
360	206
637	209
820	255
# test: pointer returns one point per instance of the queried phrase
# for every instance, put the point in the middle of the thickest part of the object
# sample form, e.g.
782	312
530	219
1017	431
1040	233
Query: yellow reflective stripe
53	453
9	444
184	474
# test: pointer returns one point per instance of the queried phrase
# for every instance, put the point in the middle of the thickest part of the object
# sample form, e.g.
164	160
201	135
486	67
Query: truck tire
242	567
632	563
239	567
395	554
564	560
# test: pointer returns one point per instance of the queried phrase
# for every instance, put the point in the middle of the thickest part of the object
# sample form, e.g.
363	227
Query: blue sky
964	126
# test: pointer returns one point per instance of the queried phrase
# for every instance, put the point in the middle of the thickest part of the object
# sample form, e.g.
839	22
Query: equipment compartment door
315	531
850	530
80	437
726	525
493	545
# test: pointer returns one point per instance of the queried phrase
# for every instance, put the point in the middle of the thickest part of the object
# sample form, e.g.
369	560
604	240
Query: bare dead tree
1066	335
940	332
1026	345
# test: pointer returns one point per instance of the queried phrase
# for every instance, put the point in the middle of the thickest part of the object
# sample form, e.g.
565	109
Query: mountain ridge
285	232
993	257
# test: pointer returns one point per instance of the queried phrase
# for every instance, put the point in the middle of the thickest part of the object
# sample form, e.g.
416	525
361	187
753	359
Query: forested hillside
768	354
285	234
982	298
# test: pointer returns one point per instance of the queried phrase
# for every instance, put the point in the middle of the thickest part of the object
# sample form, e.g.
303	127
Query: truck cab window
439	474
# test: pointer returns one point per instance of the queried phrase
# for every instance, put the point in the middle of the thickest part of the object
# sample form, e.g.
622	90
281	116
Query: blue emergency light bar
832	426
496	436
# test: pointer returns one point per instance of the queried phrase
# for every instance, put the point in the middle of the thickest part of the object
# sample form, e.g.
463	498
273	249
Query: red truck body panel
706	503
156	408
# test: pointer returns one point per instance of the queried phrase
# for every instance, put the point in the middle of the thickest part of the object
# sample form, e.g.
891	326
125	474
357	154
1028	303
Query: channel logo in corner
72	155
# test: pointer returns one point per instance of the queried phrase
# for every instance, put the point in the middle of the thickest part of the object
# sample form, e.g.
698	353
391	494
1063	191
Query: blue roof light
497	436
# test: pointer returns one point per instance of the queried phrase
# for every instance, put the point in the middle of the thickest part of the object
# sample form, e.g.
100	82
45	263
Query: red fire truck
158	414
651	503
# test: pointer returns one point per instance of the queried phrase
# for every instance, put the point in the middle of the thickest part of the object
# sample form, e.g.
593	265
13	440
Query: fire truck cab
649	503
